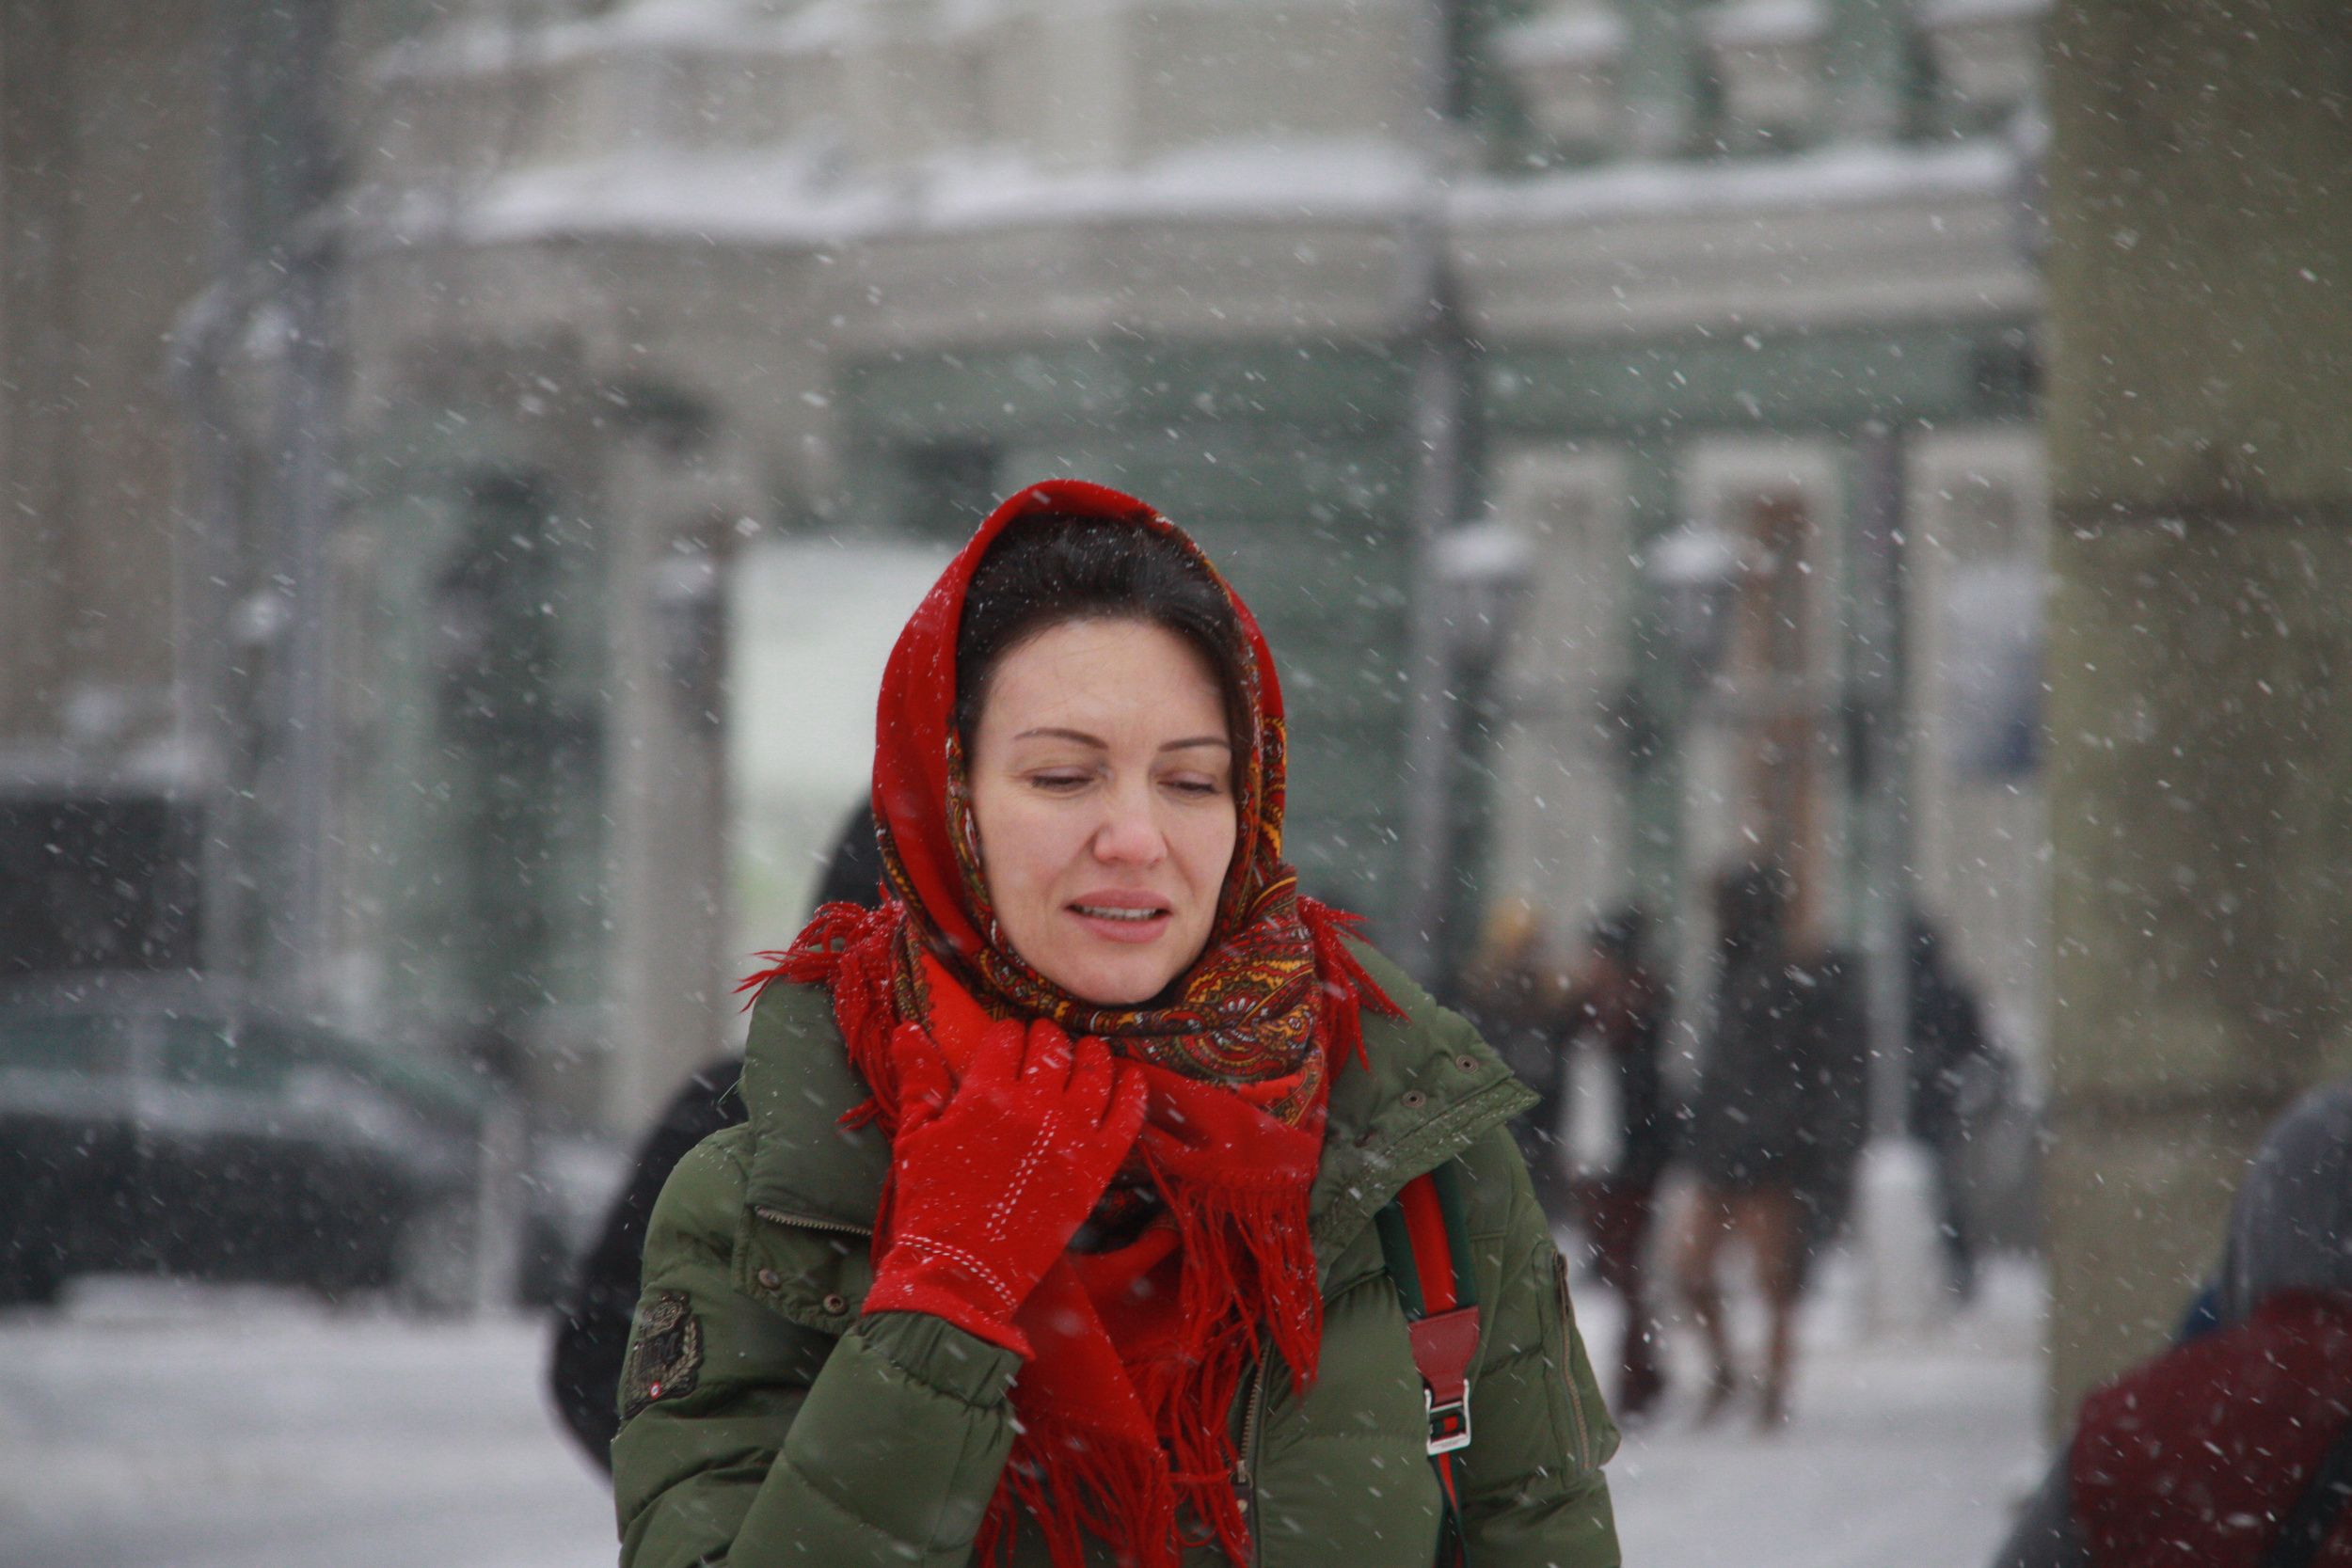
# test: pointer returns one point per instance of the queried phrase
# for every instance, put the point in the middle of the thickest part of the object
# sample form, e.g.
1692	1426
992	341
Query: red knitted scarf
1140	1346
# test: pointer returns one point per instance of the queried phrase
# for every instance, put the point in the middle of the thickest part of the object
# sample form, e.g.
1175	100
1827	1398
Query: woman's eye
1196	788
1058	782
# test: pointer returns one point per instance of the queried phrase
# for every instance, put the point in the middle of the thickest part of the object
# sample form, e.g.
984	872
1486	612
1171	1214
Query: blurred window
218	1053
424	1086
94	881
78	1044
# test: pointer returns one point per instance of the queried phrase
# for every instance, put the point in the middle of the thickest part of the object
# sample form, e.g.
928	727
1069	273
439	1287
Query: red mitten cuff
907	1291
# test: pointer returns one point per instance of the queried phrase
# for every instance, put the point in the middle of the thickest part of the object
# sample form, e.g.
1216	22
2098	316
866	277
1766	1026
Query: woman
1049	1238
2212	1453
1753	1119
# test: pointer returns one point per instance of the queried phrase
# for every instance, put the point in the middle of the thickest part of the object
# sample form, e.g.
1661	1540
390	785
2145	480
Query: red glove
991	1179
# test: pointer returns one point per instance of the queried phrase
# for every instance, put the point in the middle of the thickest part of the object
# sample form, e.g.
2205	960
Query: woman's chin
1122	985
1125	976
1110	966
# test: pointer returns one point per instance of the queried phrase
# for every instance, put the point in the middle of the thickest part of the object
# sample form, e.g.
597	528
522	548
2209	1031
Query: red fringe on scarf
1111	1489
1127	1493
1348	987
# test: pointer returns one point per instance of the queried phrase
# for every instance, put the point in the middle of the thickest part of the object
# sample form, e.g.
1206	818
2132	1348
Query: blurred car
160	1124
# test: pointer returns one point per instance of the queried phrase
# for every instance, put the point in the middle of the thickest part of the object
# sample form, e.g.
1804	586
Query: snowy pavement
1900	1453
157	1429
149	1427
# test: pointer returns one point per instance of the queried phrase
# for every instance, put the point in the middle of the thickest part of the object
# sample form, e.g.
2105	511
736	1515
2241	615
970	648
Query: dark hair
1050	568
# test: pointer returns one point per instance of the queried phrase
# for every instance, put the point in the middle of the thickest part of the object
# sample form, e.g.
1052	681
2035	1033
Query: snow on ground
176	1428
1900	1453
153	1427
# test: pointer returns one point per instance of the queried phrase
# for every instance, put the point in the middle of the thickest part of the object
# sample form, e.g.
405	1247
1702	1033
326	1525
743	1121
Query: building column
2200	747
677	497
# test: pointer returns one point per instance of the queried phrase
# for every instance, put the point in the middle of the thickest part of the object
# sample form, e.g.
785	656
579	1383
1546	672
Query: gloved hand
990	1179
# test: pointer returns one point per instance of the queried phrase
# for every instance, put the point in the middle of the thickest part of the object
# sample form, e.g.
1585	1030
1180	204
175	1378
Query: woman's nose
1129	835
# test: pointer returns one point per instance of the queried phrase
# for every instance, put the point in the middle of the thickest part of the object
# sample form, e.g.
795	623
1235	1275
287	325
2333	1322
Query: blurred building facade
105	234
1797	221
621	286
665	275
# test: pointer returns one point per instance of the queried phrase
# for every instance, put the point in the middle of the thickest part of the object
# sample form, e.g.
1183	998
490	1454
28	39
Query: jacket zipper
1567	1367
804	1222
1243	1462
1583	1433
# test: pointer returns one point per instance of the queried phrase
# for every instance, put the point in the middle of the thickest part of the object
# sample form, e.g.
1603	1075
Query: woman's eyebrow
1055	731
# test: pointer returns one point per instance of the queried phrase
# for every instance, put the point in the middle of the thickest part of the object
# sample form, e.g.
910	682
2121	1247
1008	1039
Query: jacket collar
798	1084
1431	1088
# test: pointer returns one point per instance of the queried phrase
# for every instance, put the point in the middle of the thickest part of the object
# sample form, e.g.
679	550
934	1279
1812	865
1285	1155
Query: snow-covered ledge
891	84
1835	237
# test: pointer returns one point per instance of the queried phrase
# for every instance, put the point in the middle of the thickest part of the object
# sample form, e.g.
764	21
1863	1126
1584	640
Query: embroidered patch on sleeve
665	1356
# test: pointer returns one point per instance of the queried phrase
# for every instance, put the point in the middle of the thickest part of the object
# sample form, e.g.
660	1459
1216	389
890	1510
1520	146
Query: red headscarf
1125	1404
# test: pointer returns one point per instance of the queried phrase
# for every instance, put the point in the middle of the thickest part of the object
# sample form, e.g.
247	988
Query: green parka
764	1422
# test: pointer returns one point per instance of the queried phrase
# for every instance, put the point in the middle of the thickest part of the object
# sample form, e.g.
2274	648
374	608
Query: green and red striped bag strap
1424	1238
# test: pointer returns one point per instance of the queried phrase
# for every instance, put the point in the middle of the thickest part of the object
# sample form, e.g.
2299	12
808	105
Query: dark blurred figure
1756	1141
1828	1019
1619	1133
1515	995
592	1315
2232	1449
1948	1046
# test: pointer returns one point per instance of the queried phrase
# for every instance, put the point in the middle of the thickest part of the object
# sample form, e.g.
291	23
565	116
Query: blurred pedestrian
1828	1029
2234	1448
1618	1131
593	1313
1514	991
1753	1134
1021	1255
1947	1051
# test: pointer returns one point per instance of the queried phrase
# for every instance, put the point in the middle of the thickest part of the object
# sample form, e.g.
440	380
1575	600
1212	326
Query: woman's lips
1117	917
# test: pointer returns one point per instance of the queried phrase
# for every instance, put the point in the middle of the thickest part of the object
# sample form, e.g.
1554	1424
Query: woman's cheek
1041	829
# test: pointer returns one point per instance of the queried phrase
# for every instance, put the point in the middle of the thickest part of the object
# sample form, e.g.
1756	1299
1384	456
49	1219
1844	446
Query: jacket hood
2291	1228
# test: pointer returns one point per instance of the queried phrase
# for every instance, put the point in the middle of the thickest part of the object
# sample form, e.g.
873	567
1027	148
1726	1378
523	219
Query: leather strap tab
1445	1345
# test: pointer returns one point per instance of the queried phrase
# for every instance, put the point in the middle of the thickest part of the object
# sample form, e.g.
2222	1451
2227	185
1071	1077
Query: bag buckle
1448	1422
1445	1345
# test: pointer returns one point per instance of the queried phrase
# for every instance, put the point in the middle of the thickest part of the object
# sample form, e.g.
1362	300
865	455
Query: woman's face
1102	785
